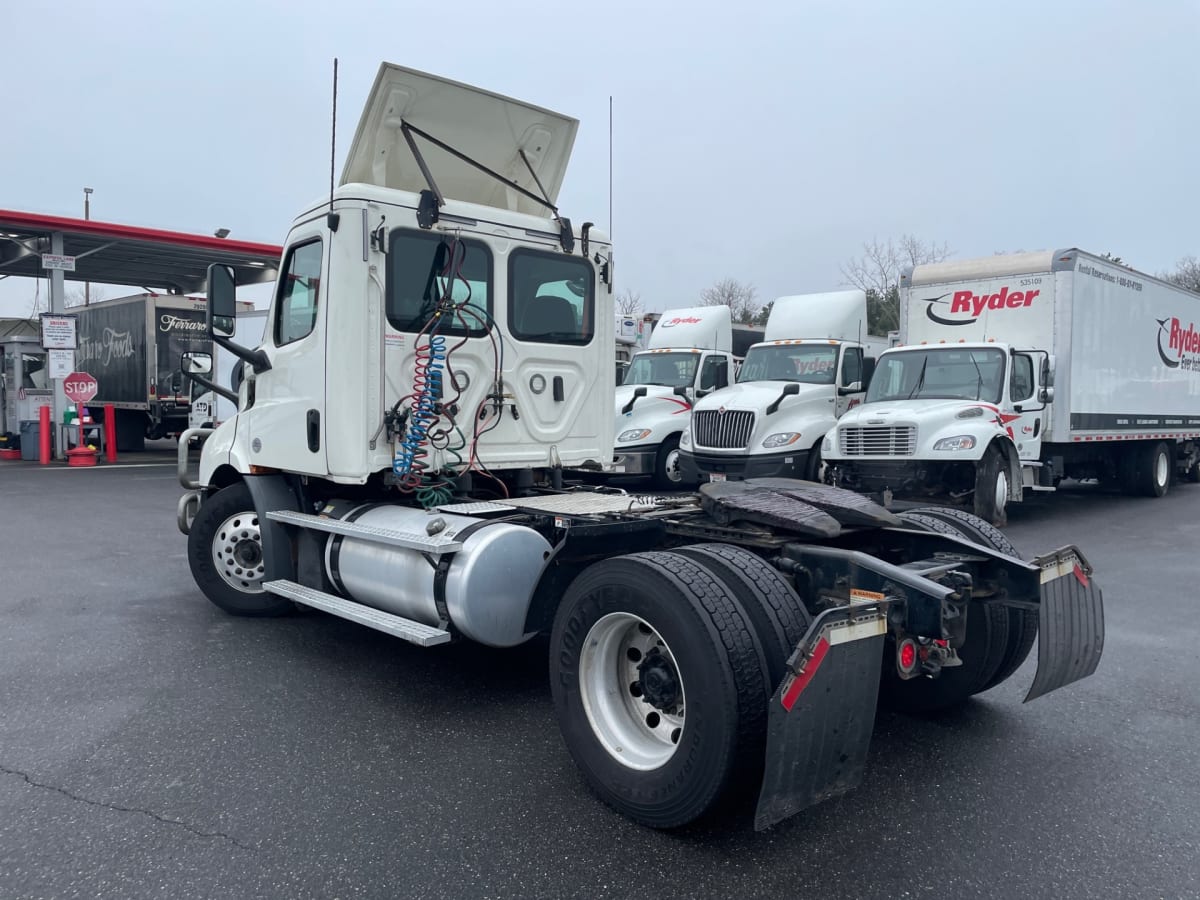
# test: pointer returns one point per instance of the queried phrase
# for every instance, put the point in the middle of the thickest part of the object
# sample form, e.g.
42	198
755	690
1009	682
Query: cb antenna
331	218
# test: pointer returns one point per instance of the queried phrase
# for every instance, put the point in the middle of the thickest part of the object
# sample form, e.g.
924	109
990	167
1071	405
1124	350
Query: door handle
314	430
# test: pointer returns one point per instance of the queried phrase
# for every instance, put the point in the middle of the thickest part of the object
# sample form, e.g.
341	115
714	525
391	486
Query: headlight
685	439
634	434
958	442
781	439
972	412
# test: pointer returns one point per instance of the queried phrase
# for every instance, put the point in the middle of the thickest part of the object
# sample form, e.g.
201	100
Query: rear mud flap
822	715
1070	622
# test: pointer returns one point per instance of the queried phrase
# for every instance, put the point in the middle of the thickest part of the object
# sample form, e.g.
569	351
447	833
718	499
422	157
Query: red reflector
908	655
1081	575
792	692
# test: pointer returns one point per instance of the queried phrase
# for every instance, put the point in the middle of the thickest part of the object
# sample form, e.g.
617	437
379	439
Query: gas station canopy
107	253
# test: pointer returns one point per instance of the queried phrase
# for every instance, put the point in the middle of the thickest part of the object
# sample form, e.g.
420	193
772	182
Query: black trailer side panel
112	347
176	330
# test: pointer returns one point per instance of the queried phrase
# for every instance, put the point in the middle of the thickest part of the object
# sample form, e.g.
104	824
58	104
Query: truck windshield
806	363
946	373
669	369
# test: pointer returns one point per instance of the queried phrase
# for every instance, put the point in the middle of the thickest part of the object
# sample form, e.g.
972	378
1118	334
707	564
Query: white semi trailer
438	354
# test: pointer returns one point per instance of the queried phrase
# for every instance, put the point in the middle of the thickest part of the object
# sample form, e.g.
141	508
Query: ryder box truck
1017	371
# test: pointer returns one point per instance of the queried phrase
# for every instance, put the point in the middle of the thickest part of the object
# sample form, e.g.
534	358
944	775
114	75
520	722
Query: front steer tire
224	533
708	691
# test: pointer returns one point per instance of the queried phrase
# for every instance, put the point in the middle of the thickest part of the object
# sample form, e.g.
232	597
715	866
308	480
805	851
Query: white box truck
439	353
813	365
1017	371
689	355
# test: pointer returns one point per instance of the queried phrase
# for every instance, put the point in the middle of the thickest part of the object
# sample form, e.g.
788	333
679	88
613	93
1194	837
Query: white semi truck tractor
689	355
438	354
813	365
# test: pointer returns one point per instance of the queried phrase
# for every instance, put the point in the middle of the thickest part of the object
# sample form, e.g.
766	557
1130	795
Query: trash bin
31	433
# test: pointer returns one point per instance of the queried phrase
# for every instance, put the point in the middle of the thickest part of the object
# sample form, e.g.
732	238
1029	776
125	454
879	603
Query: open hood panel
488	128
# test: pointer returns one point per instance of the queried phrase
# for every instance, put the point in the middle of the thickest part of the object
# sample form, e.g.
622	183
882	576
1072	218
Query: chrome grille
728	430
878	440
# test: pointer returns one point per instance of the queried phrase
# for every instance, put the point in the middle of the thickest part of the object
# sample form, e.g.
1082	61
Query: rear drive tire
1153	470
658	685
991	488
772	607
1022	623
226	557
982	652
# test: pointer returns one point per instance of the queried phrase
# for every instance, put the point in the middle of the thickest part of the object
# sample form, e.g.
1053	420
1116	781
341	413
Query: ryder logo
1180	341
969	307
679	320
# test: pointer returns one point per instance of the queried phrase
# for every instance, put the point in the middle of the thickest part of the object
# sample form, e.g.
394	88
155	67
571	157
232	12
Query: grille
729	430
878	440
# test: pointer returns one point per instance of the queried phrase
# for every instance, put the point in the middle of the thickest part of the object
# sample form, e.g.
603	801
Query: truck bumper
637	460
698	466
904	477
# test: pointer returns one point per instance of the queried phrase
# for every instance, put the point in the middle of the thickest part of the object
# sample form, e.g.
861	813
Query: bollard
110	433
44	436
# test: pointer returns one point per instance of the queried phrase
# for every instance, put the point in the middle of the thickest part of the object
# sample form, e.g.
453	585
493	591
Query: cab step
397	626
425	543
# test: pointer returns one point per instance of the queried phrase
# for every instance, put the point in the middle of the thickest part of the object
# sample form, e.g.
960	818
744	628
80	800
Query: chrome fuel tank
487	584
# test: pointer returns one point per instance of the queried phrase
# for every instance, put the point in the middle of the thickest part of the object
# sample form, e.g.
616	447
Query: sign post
80	387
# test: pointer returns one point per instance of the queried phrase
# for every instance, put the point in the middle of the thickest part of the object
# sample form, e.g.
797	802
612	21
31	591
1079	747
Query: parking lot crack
117	807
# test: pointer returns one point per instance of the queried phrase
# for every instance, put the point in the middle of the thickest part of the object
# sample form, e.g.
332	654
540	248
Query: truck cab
790	390
689	356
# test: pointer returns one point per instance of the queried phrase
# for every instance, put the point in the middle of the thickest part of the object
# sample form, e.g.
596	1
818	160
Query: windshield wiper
979	372
920	379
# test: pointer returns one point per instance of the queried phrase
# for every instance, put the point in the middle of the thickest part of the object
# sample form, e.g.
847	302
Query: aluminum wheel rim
633	731
1160	469
237	552
672	467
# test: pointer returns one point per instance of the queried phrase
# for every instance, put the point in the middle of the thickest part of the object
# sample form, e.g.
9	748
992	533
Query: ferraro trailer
1017	371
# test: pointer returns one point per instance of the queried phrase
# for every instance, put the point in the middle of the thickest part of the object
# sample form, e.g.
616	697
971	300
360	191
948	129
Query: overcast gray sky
760	141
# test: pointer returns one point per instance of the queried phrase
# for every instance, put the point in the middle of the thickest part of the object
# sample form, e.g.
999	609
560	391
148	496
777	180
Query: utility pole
87	214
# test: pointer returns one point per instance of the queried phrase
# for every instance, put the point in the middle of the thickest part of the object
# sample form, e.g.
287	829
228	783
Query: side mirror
195	362
1046	395
1047	378
221	315
854	387
639	391
683	391
789	390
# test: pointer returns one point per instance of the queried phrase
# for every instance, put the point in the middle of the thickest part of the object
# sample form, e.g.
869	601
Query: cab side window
550	298
299	287
852	366
1021	381
714	374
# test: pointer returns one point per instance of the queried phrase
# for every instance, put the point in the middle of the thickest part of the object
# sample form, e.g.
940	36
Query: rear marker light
906	655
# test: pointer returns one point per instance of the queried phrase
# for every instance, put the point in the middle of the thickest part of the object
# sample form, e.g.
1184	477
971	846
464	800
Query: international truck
133	345
812	366
1017	371
688	356
437	357
209	408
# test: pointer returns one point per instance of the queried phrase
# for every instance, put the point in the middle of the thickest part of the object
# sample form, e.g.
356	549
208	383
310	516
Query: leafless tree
629	303
75	295
1186	274
878	269
877	272
742	299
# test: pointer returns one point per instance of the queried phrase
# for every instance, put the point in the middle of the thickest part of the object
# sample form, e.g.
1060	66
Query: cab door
850	386
285	421
1024	415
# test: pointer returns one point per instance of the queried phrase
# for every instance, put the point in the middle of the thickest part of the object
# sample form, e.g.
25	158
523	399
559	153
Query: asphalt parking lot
151	746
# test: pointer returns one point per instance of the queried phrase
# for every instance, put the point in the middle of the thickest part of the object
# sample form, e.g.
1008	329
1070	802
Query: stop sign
80	387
